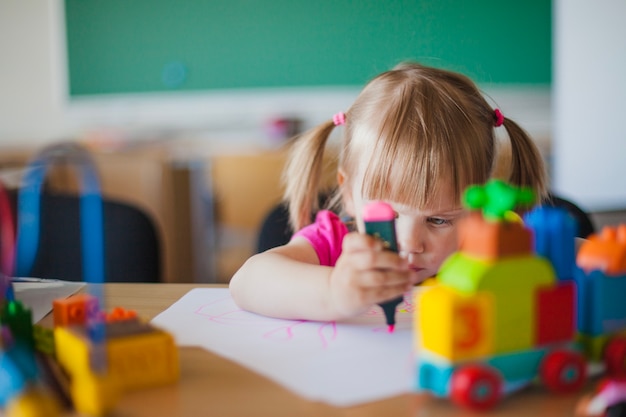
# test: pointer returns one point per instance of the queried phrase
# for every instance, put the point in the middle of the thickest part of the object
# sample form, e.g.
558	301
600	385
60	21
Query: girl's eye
437	221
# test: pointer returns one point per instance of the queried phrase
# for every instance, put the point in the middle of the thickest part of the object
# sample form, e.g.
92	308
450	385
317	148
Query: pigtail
527	167
303	172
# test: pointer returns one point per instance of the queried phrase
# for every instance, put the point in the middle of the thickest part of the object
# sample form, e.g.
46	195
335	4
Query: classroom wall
38	106
32	71
589	90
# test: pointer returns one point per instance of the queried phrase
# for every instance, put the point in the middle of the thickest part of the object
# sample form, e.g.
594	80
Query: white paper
343	363
38	294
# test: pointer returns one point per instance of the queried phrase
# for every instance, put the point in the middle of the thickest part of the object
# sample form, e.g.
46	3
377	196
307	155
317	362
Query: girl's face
426	237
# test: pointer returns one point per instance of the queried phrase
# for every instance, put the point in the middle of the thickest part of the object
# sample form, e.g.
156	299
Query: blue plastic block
602	309
12	380
554	231
434	378
518	367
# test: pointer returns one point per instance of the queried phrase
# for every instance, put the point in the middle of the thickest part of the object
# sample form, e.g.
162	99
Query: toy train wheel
615	357
563	371
476	387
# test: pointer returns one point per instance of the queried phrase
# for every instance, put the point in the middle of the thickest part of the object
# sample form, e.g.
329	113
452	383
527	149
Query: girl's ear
346	193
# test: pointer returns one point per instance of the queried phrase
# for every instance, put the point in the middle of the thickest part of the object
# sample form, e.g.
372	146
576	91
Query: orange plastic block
492	240
555	316
120	314
73	310
605	251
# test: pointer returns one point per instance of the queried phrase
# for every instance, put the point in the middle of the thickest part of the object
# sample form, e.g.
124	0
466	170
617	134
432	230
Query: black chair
585	226
275	229
132	250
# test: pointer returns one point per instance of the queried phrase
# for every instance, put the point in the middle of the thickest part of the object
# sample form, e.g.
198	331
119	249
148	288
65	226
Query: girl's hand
366	274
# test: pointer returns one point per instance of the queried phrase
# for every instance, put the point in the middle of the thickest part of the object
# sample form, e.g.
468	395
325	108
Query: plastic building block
6	338
5	282
34	402
12	379
506	305
476	386
492	240
19	319
555	320
512	281
137	356
605	251
601	306
44	339
564	371
496	198
609	400
435	374
554	232
464	326
615	357
74	310
120	314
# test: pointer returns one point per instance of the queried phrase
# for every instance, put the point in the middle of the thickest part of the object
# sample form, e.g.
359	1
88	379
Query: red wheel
563	371
615	357
476	387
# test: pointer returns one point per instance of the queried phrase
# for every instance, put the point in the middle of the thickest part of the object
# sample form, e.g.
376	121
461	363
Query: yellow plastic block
34	402
143	360
93	395
455	326
138	356
71	350
512	282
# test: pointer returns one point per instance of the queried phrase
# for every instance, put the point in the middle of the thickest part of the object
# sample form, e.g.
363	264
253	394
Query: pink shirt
326	236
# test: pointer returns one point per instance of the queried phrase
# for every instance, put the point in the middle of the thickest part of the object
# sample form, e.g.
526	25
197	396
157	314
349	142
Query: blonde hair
409	128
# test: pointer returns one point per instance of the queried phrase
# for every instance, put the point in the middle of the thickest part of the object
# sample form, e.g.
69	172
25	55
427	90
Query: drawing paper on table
343	363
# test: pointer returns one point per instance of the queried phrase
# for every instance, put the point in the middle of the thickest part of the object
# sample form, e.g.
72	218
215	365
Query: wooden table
213	386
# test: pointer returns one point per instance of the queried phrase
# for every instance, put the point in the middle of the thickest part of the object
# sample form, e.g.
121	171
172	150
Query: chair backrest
583	220
132	251
80	236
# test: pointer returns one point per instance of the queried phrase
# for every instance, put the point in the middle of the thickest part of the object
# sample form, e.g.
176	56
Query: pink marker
380	221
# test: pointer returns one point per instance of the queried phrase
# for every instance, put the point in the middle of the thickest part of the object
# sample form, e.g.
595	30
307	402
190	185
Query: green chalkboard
124	46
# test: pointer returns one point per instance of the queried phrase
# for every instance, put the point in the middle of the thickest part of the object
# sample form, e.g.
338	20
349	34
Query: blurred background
186	105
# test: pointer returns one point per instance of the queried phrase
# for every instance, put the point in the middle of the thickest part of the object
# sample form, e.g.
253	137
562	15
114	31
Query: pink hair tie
499	118
339	118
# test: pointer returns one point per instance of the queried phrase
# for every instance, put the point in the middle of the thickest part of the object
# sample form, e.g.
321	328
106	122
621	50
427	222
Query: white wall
32	70
35	107
589	92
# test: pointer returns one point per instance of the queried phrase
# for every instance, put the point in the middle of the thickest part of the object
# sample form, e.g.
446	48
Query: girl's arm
288	282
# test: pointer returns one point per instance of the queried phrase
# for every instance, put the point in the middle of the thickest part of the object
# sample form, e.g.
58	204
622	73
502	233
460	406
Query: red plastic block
73	310
492	240
555	315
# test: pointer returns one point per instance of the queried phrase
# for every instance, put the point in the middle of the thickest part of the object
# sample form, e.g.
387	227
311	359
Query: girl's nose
412	250
413	242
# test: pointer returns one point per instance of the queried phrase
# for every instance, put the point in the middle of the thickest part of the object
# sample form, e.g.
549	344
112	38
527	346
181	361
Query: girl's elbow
238	284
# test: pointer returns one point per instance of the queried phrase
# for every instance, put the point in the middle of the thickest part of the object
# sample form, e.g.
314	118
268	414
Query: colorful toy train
514	304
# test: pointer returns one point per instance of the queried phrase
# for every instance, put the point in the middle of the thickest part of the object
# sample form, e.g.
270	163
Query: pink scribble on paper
287	333
286	330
